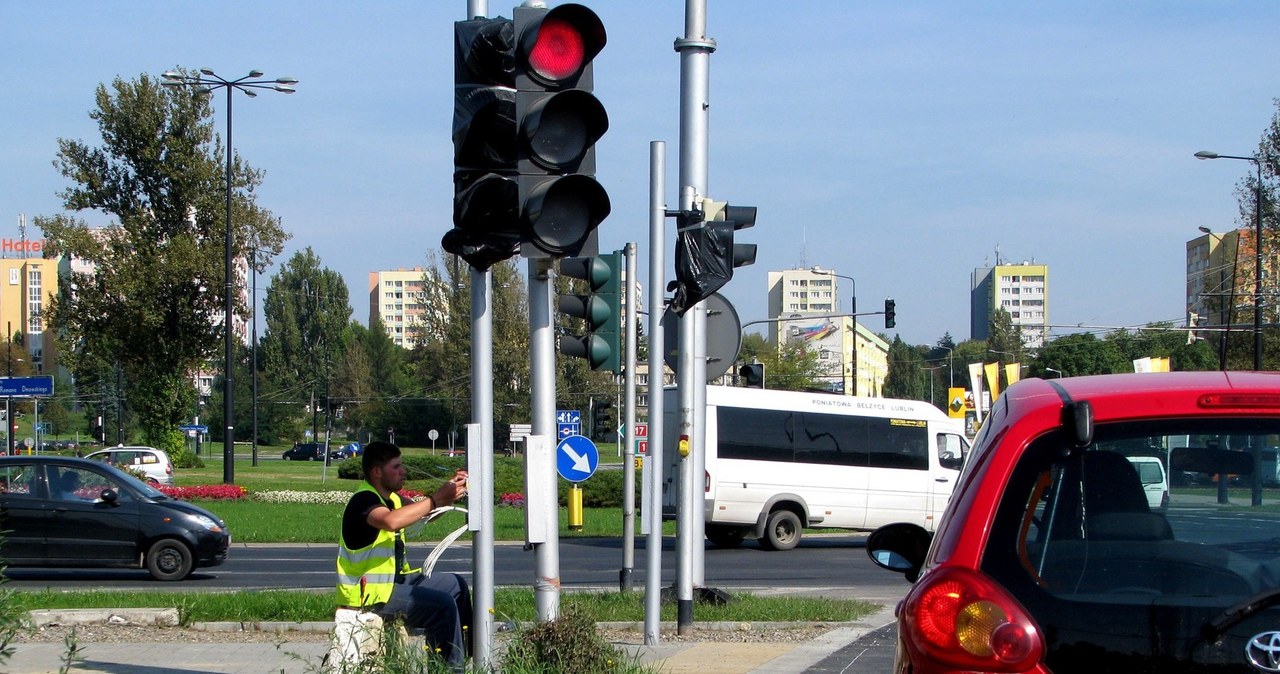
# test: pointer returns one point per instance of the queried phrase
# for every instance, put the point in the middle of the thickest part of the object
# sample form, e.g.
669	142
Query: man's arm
387	519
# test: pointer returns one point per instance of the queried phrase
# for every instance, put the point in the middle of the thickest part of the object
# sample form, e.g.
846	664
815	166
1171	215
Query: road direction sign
569	417
576	458
26	386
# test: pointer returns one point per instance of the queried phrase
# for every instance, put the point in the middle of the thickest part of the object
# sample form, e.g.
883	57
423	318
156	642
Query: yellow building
396	298
28	283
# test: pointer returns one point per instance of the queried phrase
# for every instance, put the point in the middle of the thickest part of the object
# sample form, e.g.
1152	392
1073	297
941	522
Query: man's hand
450	491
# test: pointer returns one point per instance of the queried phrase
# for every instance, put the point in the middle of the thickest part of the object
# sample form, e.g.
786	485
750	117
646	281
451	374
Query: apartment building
805	306
396	298
1020	289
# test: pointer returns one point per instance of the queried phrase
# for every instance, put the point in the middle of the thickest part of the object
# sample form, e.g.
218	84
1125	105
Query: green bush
569	644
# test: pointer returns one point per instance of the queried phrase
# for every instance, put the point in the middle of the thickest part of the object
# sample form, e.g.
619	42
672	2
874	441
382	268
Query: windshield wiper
1239	612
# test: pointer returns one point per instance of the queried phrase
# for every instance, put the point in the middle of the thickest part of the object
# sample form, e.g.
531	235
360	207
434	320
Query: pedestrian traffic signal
486	226
600	309
889	321
558	121
752	375
706	254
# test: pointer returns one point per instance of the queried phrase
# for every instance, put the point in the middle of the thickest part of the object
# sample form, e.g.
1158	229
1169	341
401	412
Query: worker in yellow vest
373	574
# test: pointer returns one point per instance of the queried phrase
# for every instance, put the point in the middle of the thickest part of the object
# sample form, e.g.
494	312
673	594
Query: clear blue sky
900	143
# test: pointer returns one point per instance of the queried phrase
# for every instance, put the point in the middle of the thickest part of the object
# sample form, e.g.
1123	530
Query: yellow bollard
575	507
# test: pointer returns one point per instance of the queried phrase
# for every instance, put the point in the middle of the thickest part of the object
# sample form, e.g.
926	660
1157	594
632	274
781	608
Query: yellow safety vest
375	565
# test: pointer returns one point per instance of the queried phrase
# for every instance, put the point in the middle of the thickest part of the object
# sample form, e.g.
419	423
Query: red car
1051	559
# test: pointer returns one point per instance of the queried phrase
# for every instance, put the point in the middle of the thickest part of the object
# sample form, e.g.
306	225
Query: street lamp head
256	73
284	88
287	80
171	76
1205	154
1204	229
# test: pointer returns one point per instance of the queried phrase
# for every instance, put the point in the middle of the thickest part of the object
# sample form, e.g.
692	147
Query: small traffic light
600	308
752	375
486	227
706	254
557	123
889	321
602	423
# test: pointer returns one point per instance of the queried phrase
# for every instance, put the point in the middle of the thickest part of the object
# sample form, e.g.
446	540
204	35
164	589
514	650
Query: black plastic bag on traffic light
704	263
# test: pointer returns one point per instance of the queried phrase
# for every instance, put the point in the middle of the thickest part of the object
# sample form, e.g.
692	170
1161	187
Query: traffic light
705	252
600	308
558	121
486	226
889	321
752	375
602	424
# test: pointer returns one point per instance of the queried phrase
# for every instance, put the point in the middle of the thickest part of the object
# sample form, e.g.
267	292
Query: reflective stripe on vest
375	564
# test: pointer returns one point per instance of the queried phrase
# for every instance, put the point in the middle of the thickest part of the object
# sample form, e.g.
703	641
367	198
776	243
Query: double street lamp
206	82
1257	269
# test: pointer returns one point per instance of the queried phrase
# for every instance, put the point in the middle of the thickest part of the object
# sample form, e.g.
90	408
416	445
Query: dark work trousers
440	606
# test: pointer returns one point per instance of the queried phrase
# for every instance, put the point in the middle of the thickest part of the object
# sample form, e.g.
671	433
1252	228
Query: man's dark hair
376	454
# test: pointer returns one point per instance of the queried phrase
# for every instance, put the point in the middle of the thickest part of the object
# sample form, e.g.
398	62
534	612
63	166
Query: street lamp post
951	371
206	82
1049	369
853	295
1257	244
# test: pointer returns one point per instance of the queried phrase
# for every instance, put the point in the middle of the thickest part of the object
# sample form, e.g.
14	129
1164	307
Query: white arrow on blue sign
577	458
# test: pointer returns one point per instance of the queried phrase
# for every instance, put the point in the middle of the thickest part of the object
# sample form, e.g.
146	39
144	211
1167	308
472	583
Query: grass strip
514	604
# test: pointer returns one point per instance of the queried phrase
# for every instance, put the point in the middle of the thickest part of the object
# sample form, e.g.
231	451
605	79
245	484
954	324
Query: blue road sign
26	386
565	430
576	458
569	417
198	428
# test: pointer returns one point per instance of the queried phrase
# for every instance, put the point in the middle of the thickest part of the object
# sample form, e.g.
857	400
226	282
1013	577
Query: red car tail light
962	619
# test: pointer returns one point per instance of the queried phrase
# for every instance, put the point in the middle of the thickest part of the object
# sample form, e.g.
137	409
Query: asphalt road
829	565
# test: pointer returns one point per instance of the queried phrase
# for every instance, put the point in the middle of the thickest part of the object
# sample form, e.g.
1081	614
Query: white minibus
778	462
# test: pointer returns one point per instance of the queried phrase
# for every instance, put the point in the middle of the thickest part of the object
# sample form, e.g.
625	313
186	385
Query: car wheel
782	531
169	559
723	536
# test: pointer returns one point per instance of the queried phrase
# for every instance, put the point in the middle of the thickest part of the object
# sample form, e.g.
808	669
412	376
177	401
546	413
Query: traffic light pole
654	462
627	292
544	536
695	64
482	417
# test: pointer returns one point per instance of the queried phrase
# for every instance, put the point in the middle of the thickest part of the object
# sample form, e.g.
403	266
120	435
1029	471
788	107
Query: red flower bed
204	491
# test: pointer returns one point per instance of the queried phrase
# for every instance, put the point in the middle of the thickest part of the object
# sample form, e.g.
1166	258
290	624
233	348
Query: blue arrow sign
26	386
576	458
568	416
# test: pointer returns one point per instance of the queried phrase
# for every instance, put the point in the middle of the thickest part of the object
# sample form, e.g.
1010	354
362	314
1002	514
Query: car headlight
206	522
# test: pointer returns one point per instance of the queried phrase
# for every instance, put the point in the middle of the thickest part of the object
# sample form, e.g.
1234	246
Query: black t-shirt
356	531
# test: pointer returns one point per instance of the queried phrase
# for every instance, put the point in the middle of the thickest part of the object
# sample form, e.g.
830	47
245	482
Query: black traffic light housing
706	254
558	121
485	224
752	375
602	423
600	309
889	316
525	125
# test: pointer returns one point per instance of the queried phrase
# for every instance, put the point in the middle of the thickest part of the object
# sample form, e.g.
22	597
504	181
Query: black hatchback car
66	512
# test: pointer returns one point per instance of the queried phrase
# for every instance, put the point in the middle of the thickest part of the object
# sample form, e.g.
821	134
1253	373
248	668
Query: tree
1005	340
905	378
151	302
307	310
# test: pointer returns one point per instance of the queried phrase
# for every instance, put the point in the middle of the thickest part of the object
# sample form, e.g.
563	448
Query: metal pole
1257	270
482	415
657	450
695	60
228	439
629	422
542	347
253	346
